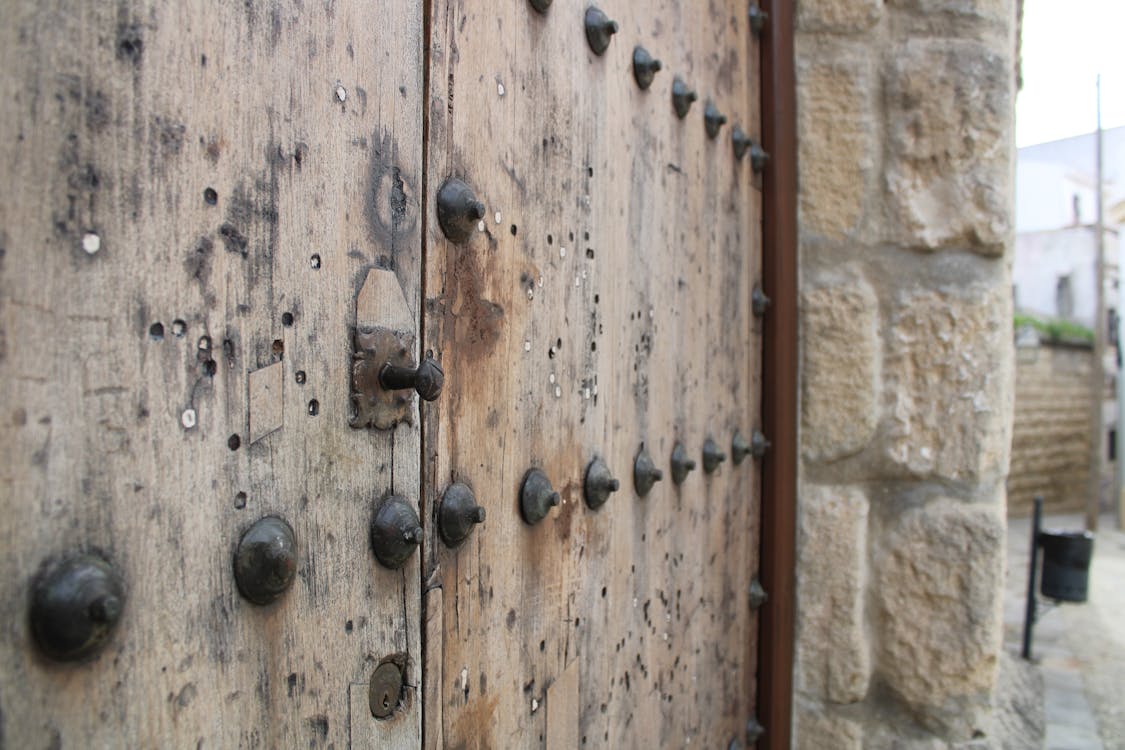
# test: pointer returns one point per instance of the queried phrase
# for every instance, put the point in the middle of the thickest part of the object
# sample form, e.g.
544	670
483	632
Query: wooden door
602	306
194	194
211	211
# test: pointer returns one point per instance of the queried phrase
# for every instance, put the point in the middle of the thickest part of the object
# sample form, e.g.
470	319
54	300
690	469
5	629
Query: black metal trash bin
1066	564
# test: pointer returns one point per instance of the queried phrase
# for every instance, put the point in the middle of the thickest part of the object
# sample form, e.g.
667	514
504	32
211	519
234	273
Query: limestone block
949	124
947	383
818	730
841	369
832	651
940	590
837	131
838	15
993	10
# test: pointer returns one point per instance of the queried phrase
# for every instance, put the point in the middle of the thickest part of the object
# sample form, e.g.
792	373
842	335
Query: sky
1065	46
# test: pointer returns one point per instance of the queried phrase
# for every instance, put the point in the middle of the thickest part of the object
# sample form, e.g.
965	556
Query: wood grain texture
605	306
305	121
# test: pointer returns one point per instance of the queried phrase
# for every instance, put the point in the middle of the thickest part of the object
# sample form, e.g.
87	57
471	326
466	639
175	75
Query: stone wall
905	113
1051	431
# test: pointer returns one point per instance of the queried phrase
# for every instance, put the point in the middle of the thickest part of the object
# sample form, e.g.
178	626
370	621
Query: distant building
1053	282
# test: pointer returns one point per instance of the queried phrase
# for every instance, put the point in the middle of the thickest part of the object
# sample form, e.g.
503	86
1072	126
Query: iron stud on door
645	67
458	514
75	607
537	497
712	456
458	210
682	464
682	97
599	30
265	562
599	484
645	473
395	532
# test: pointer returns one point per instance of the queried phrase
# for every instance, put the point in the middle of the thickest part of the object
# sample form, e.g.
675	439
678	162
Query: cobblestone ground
1079	649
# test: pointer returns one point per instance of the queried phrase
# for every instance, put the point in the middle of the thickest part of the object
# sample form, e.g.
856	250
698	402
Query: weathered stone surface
833	659
948	383
940	581
949	125
838	15
993	10
842	354
836	123
1020	721
819	730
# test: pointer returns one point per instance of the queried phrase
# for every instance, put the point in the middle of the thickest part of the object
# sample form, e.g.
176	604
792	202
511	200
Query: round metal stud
384	692
458	514
758	595
713	120
741	142
759	302
758	157
458	210
599	484
754	730
599	30
712	456
541	6
537	497
645	67
759	445
682	464
645	473
682	97
758	18
265	561
739	448
75	607
395	532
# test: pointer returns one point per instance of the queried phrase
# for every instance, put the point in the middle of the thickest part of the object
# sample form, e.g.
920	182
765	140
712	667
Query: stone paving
1079	649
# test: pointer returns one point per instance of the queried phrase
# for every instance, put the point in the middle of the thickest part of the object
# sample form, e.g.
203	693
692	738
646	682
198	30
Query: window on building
1064	297
1111	445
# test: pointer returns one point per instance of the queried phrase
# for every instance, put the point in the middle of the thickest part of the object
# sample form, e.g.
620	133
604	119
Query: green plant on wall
1055	330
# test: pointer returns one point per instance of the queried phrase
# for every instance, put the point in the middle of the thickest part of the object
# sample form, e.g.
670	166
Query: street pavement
1079	649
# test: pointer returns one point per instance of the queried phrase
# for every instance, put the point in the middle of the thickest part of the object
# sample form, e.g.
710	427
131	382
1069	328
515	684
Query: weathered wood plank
605	306
242	166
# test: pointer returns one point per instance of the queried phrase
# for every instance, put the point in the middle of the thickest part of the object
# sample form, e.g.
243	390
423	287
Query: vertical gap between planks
423	507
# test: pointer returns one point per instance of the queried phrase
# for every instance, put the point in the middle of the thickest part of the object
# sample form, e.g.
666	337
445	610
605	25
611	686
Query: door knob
458	514
75	606
427	379
395	532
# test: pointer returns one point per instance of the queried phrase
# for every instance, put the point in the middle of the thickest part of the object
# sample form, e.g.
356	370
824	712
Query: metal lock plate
372	405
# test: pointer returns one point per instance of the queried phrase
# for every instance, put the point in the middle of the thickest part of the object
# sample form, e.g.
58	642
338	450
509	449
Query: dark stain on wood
391	203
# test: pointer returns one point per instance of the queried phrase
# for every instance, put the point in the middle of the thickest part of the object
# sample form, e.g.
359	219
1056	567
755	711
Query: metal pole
1029	613
1097	375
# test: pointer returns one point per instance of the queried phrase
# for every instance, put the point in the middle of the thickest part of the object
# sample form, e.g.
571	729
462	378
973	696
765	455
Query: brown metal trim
779	377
